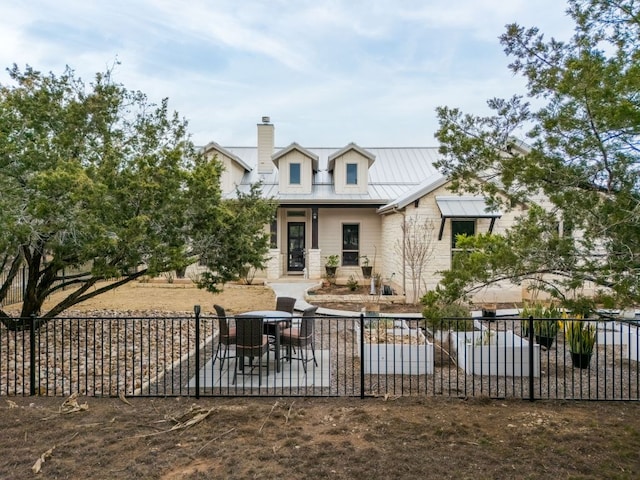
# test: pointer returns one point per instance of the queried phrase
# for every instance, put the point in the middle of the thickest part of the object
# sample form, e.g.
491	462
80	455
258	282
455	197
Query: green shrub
439	315
541	328
580	306
352	283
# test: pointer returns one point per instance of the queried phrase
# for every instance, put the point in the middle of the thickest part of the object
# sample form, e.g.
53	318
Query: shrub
541	328
440	315
580	306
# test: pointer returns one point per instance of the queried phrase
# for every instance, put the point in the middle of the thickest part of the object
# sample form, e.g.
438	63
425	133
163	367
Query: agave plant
580	335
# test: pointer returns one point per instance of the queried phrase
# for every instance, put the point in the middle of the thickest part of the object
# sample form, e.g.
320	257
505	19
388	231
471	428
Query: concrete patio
291	374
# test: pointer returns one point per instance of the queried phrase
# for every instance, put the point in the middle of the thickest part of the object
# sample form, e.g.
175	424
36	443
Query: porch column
273	269
314	264
314	228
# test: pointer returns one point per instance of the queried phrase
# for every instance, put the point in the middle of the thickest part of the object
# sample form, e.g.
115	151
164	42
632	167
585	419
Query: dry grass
175	297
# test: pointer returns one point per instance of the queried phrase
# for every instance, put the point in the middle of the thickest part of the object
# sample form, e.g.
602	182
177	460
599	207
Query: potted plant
545	325
581	337
366	268
331	265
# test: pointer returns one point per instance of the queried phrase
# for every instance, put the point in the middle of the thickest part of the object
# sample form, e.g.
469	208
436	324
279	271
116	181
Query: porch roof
465	207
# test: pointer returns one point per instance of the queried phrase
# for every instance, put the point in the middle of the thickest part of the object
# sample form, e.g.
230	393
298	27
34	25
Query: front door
295	242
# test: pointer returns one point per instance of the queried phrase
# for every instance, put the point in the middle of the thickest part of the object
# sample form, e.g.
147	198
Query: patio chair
301	337
226	337
285	304
251	343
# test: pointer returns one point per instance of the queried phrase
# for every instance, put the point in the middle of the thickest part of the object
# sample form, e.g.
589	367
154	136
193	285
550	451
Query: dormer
234	167
350	166
296	166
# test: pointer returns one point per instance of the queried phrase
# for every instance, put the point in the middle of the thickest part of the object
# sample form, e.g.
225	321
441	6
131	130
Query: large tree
98	183
581	114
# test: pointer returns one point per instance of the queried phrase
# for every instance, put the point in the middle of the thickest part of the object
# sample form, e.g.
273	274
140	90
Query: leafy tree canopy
97	183
581	156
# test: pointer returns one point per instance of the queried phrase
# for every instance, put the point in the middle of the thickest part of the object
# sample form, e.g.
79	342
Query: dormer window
294	174
352	173
350	166
296	166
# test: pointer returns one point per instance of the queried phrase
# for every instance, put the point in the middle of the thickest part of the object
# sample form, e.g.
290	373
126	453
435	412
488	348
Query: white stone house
353	201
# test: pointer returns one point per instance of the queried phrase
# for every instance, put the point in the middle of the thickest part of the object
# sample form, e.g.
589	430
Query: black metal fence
18	286
174	356
15	292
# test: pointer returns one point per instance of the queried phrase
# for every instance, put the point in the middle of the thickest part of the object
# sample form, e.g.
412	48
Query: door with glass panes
295	246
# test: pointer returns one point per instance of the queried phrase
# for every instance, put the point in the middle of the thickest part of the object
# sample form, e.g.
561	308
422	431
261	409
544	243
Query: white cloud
327	72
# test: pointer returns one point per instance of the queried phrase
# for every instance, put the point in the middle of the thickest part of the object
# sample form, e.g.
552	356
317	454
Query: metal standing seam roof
394	173
465	207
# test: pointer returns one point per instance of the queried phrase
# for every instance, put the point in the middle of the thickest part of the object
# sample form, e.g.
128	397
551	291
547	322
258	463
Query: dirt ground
294	438
340	438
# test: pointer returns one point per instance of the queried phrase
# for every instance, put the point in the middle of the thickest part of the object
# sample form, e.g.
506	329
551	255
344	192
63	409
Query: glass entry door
295	249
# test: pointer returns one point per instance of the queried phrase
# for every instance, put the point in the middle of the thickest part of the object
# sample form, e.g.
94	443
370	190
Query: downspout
404	254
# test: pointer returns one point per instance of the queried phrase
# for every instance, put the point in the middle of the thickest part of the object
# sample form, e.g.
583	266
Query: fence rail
17	288
174	356
15	292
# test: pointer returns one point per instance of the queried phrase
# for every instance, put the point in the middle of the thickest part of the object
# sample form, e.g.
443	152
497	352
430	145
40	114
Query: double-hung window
350	244
460	227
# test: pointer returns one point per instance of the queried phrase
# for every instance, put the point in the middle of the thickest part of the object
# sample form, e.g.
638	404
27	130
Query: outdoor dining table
272	319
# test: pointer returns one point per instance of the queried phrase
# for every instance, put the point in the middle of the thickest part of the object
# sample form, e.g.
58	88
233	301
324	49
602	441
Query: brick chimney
265	145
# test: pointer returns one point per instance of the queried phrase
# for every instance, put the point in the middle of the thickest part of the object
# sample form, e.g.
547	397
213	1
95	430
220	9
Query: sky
326	72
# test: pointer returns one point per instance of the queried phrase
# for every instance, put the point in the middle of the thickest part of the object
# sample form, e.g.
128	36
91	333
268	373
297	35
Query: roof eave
220	149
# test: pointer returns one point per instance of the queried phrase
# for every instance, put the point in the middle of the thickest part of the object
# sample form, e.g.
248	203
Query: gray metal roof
465	207
228	153
410	196
395	173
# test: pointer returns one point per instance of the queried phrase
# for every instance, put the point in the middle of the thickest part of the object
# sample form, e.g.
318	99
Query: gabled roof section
214	146
426	187
397	173
294	146
352	146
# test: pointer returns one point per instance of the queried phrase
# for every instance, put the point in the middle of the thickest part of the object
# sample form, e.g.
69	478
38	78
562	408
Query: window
460	227
352	173
294	174
350	245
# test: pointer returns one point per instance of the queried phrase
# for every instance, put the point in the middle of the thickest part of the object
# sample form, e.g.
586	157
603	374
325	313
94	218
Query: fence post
196	310
32	355
24	283
362	354
531	366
